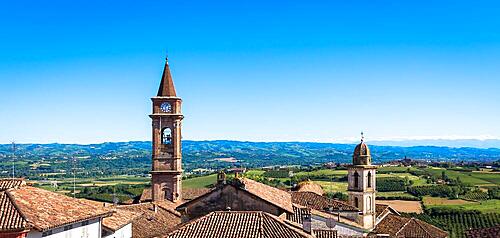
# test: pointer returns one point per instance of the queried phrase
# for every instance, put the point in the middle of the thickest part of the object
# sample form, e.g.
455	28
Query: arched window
166	136
356	179
356	202
369	179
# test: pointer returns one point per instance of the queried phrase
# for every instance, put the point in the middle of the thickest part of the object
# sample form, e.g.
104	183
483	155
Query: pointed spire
167	88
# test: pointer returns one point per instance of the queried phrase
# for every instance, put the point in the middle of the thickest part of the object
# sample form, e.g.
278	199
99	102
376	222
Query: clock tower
166	173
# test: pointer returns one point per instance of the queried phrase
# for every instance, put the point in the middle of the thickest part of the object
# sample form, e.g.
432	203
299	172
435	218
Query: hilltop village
236	206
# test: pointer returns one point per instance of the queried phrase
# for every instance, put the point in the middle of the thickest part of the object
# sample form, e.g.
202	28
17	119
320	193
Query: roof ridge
271	216
403	226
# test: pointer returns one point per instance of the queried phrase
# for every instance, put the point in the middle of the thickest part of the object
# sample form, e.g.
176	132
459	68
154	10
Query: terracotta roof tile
310	186
119	219
150	223
11	218
325	233
11	183
237	225
187	194
320	203
398	226
273	195
46	210
298	213
490	232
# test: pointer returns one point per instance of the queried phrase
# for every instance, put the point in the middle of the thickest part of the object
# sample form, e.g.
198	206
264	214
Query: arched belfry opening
356	179
166	136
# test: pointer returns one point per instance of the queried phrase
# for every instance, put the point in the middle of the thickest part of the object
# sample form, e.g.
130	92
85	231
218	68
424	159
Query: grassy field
417	181
200	182
487	206
333	186
323	172
255	172
471	178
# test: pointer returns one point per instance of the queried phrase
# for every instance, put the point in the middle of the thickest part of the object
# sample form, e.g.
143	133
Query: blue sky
83	71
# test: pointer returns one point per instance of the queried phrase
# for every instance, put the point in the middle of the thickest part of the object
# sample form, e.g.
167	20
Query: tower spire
362	136
167	88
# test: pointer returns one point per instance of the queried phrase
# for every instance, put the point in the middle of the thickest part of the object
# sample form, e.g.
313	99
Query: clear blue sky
83	71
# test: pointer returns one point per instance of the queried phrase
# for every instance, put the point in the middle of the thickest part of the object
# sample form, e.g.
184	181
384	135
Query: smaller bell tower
166	173
361	184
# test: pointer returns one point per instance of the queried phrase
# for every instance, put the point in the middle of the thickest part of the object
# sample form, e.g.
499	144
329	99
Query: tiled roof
273	195
325	233
11	183
45	210
150	223
310	186
298	213
119	219
490	232
232	224
398	226
187	194
11	218
320	203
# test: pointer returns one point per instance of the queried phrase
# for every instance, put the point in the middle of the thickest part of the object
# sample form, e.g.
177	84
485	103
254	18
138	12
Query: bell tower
166	173
361	184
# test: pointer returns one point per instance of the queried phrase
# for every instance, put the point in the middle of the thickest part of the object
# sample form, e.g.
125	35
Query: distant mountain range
135	157
457	143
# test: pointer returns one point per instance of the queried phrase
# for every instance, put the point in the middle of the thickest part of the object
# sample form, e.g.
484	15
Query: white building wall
124	232
319	222
91	230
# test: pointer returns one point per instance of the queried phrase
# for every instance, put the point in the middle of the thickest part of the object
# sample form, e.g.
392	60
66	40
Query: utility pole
74	177
13	159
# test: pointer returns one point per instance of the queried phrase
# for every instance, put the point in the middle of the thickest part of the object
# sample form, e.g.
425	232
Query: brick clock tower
361	184
166	174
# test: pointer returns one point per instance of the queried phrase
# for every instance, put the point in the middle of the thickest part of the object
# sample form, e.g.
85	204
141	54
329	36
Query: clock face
166	107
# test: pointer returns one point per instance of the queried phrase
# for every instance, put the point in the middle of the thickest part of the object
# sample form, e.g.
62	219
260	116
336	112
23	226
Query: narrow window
370	208
166	136
369	179
356	202
356	179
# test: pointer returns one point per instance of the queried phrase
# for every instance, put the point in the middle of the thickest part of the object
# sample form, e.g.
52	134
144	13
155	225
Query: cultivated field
403	206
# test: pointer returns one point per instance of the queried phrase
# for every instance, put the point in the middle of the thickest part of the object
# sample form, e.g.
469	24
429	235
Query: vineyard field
456	224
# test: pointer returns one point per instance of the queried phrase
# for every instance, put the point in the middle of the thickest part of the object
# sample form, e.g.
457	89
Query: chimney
155	207
221	178
307	223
